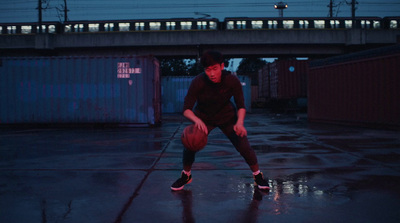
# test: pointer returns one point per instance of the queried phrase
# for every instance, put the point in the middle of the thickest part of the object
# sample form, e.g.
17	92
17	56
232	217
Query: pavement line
149	171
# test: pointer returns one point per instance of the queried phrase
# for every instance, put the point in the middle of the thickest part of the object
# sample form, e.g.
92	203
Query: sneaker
260	182
180	183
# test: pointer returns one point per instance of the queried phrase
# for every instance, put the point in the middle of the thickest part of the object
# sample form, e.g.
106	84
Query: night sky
25	10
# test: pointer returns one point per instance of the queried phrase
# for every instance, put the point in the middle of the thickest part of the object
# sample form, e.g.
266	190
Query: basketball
193	138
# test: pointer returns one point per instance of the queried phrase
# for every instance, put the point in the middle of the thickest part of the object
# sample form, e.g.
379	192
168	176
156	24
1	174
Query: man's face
214	72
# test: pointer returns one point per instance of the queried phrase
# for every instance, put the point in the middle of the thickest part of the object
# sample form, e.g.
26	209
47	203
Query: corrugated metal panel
264	81
174	90
80	90
288	79
363	91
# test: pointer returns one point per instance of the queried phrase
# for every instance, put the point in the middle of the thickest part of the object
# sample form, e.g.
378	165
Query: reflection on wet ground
317	173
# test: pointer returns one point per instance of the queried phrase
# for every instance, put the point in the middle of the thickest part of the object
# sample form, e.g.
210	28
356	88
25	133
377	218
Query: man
212	90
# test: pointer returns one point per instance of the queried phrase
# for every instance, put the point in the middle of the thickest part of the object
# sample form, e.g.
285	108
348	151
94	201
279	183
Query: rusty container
123	90
288	79
359	89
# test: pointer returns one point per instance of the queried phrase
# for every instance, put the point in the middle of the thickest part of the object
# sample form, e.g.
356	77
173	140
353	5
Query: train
201	24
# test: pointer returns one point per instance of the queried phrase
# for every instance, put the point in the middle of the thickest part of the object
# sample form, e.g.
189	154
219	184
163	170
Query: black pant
241	144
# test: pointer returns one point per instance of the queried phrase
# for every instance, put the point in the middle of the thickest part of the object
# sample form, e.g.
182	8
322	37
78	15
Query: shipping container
360	88
123	90
264	82
288	79
174	90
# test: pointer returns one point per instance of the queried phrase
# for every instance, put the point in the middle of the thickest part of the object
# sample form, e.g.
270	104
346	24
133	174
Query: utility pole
65	11
40	15
353	12
331	9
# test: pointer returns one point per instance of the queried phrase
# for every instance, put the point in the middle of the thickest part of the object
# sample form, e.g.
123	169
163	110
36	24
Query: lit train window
11	29
52	28
78	28
319	24
288	24
393	24
67	28
230	25
272	24
256	24
335	24
1	29
109	27
241	24
155	25
139	26
376	24
201	25
348	24
303	24
43	29
26	29
171	25
213	25
94	27
186	25
123	26
365	24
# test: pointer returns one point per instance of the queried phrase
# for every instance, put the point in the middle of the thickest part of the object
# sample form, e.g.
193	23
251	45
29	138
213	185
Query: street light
281	6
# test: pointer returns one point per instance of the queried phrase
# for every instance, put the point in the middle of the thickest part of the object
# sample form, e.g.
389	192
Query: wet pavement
317	173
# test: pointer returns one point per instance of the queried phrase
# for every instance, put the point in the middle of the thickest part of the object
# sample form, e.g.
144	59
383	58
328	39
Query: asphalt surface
317	173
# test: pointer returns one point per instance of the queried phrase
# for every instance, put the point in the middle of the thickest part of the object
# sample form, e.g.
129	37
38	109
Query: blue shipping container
122	90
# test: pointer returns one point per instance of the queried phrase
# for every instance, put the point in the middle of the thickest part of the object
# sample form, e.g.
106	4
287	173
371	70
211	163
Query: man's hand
240	130
198	123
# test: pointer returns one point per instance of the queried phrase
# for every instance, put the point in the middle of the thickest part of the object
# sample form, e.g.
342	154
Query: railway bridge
189	44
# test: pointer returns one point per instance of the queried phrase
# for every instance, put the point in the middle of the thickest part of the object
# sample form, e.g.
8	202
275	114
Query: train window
303	24
11	29
213	25
365	24
201	25
319	24
26	29
376	24
393	24
109	27
78	28
52	28
67	28
94	27
43	29
241	24
288	24
348	24
186	25
139	26
230	25
171	25
155	25
335	24
272	24
124	26
1	29
256	24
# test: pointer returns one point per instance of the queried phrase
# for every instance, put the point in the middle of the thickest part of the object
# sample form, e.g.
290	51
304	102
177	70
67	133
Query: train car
181	24
391	22
29	28
246	23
